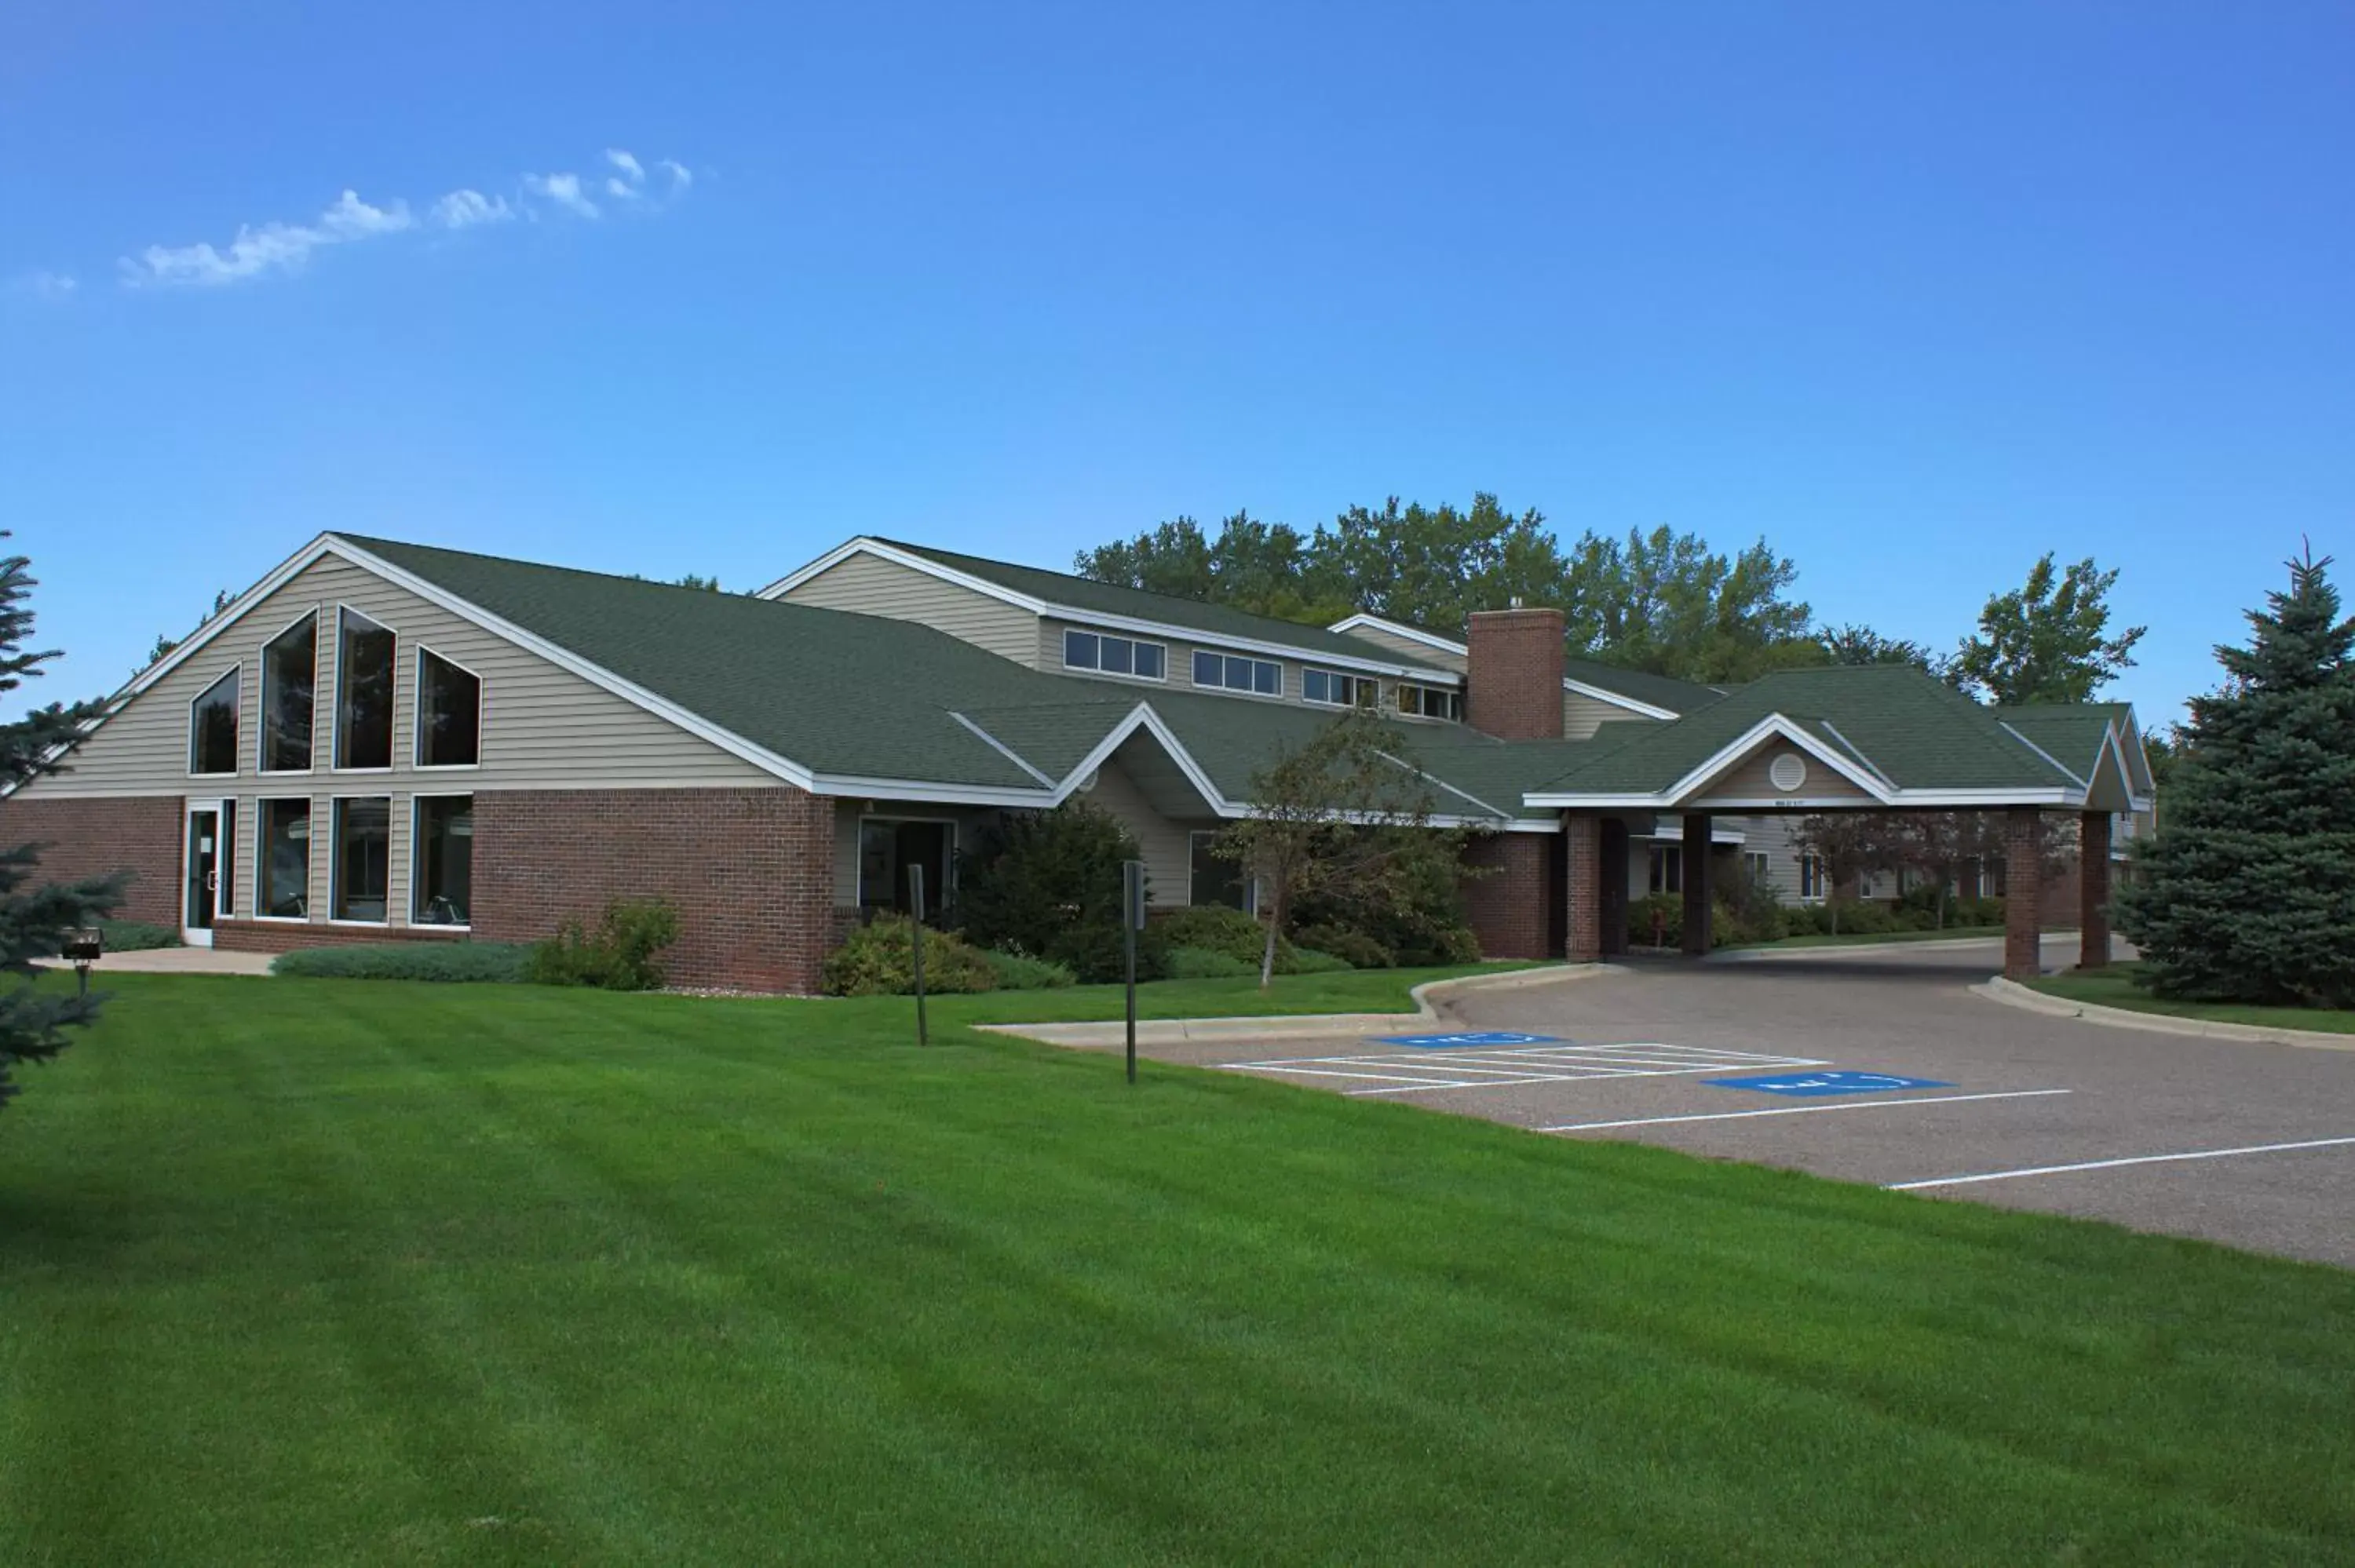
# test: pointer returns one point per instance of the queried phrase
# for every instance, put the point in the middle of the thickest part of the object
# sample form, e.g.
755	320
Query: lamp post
916	943
82	946
1132	920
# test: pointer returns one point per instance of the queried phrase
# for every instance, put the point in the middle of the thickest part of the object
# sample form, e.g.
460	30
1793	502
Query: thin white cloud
621	190
627	165
564	190
272	247
679	178
465	208
42	284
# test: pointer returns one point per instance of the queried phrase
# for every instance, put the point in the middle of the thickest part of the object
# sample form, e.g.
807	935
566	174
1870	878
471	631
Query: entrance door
212	854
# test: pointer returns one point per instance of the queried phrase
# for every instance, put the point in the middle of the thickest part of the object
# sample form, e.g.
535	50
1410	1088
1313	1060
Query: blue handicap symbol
1461	1042
1802	1085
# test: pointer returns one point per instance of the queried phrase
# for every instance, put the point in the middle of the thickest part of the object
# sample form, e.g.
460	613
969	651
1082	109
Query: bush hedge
1361	950
1047	885
500	963
624	953
136	936
879	960
1016	972
1202	963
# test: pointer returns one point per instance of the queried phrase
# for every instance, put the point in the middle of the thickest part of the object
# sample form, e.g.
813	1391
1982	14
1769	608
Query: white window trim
1097	633
189	753
416	839
859	850
1281	675
262	805
262	703
336	711
1450	695
1355	682
417	713
336	861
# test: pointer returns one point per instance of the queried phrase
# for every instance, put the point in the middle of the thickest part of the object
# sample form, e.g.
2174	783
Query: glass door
211	855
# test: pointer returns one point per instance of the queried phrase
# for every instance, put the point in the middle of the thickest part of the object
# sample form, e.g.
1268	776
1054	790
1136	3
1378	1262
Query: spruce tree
35	916
2248	892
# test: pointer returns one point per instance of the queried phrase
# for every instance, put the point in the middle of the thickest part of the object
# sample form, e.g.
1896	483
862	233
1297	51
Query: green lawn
1343	991
2114	987
310	1271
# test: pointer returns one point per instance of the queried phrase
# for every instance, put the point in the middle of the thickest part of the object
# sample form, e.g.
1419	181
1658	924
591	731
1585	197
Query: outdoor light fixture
82	946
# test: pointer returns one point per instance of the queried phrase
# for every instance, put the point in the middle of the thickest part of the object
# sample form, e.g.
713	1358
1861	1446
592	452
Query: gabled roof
1111	605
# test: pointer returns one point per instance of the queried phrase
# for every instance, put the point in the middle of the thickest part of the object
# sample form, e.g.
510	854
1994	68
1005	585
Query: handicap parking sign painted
1802	1085
1458	1042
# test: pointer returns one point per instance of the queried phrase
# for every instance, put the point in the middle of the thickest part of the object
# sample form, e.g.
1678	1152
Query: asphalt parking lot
1887	1068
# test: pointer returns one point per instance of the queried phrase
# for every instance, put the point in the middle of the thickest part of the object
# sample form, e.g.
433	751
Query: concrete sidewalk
172	961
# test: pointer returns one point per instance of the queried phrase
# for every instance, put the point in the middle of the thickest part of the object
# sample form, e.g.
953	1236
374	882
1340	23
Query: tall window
1215	880
449	712
1234	672
290	668
442	879
1667	868
282	872
1811	877
212	727
363	875
1114	655
363	693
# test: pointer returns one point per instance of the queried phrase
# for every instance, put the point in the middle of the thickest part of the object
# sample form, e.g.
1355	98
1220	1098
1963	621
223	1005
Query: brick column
1699	905
1614	886
2094	890
1584	834
2023	882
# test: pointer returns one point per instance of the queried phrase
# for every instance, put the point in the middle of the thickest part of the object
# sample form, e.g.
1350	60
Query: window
887	847
1754	865
1811	877
1332	687
290	669
1234	672
363	693
1667	868
363	863
212	727
441	874
449	712
1216	880
1114	655
283	873
1430	702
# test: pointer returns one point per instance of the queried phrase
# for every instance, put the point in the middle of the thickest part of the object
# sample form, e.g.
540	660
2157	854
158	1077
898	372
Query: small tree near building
35	917
1341	816
1848	845
2248	892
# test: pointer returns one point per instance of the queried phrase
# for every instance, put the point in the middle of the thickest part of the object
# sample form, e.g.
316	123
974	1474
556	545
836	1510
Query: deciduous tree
2048	640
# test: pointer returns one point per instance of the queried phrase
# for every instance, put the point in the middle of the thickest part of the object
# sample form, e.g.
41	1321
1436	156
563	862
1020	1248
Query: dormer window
1109	655
1335	690
1234	673
1430	702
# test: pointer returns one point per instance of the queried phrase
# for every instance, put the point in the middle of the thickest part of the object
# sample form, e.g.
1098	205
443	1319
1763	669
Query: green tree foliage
1661	601
35	916
2048	640
1337	817
164	645
1854	644
1047	885
2248	892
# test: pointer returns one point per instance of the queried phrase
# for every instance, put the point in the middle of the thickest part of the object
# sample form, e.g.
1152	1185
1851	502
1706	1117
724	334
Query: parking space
1889	1070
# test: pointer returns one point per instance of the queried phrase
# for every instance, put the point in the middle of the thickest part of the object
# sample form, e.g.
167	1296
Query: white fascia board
1433	779
858	786
1464	651
1677	794
563	658
2128	733
1617	699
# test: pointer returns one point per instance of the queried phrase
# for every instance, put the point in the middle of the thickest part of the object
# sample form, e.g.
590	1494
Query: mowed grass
2114	987
311	1271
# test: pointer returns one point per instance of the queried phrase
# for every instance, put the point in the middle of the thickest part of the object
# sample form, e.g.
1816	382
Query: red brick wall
94	837
1506	908
291	936
1583	887
1512	686
750	871
2022	922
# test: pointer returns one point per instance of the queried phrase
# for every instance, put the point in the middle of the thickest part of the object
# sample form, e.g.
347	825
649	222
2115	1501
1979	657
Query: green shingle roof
1657	691
1213	622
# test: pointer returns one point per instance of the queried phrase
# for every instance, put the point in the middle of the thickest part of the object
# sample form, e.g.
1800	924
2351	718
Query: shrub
623	954
1216	928
1016	972
879	960
1201	963
136	936
1668	906
1361	951
1307	961
1047	885
491	962
1424	926
1859	917
1977	911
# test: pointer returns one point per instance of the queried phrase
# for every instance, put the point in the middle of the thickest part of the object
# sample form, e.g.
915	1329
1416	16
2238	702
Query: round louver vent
1788	771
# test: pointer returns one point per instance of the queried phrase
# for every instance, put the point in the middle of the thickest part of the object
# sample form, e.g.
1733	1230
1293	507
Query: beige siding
1748	781
1582	716
1168	857
869	585
1180	667
1407	648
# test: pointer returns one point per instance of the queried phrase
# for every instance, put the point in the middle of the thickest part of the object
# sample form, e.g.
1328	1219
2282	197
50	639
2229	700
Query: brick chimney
1513	687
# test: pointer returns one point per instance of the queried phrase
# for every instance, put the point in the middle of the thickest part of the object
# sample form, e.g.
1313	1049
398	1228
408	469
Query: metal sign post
916	944
1132	920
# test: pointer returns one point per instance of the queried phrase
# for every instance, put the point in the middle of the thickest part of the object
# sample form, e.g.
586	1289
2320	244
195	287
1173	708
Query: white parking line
2112	1164
1805	1110
1416	1071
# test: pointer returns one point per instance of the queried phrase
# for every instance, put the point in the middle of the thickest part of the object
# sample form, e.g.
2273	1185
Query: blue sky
1917	294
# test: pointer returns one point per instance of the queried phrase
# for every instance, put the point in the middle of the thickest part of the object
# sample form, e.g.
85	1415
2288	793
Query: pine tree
2248	892
33	915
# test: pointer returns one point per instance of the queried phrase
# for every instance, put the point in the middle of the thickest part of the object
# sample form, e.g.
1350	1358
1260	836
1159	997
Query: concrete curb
2011	993
1429	999
1846	949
